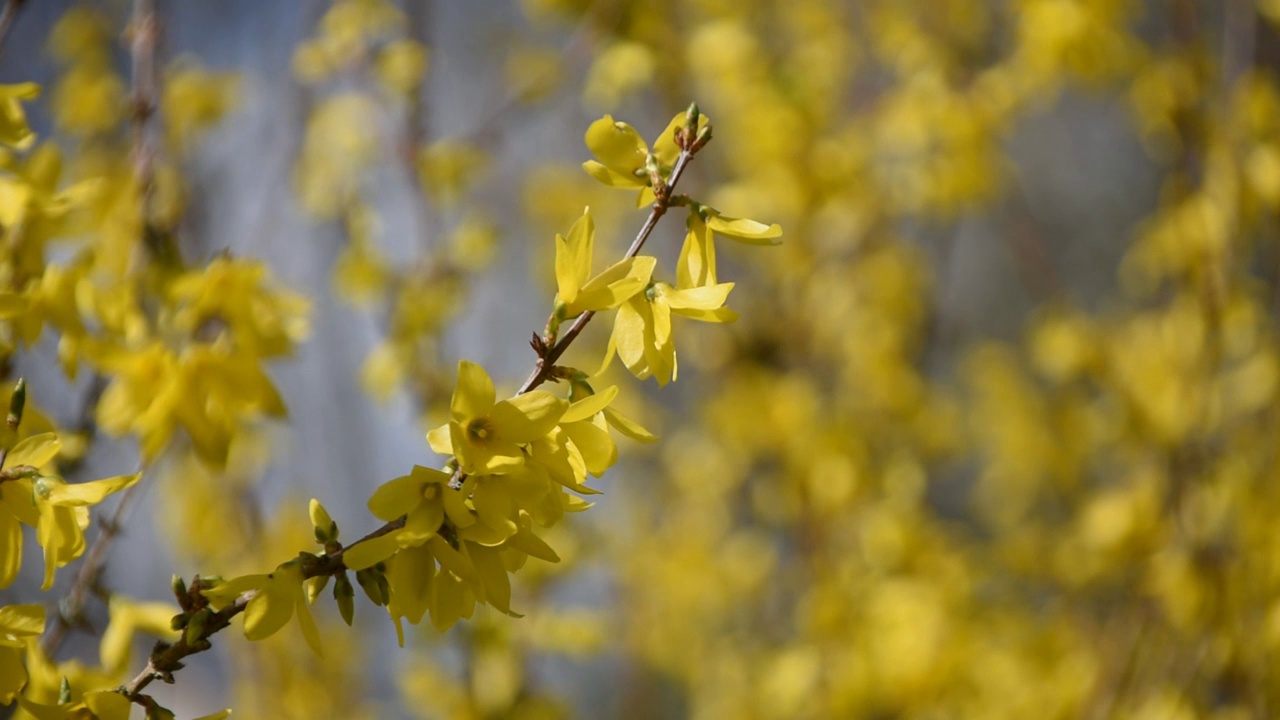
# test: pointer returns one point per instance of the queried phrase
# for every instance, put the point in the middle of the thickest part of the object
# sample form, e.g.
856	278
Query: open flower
58	511
622	156
642	329
577	291
424	498
277	597
486	435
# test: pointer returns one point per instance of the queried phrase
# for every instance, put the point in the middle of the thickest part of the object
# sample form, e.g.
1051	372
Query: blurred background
995	435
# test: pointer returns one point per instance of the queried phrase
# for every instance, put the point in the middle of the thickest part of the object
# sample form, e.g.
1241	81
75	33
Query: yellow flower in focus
14	131
486	435
19	624
425	498
577	290
642	328
276	598
623	158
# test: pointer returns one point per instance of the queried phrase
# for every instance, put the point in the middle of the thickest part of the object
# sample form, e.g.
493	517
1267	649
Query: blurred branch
7	16
141	35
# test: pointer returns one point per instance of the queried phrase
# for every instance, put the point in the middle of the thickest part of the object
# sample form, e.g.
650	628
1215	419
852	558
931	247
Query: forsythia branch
202	622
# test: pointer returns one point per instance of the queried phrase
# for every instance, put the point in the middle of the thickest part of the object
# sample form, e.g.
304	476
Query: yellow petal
493	576
697	264
611	178
108	705
628	427
573	257
616	145
90	493
10	551
708	297
310	632
410	577
621	281
440	440
590	405
22	621
397	497
527	417
745	230
35	451
598	449
370	552
474	394
629	334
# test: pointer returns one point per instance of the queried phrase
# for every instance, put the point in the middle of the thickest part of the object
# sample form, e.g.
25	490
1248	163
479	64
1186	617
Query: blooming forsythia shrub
860	507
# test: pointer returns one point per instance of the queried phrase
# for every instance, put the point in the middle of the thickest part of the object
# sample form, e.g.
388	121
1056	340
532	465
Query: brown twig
7	16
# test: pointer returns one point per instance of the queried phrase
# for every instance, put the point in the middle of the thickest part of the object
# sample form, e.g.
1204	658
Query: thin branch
7	16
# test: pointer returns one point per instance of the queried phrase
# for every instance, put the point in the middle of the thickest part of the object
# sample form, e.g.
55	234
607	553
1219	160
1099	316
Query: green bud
315	586
16	403
179	621
325	528
345	595
196	625
368	579
64	691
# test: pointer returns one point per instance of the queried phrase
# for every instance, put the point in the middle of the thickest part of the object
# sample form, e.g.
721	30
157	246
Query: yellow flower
424	498
58	511
14	131
579	294
642	329
486	435
623	157
18	625
697	264
276	597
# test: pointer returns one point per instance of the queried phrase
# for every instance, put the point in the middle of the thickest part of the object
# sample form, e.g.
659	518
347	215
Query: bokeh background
995	436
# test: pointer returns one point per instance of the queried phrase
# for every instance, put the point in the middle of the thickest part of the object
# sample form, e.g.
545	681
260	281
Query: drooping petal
629	334
493	576
697	264
10	548
474	394
308	623
410	577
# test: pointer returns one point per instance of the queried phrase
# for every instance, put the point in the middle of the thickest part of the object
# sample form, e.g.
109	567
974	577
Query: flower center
479	430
